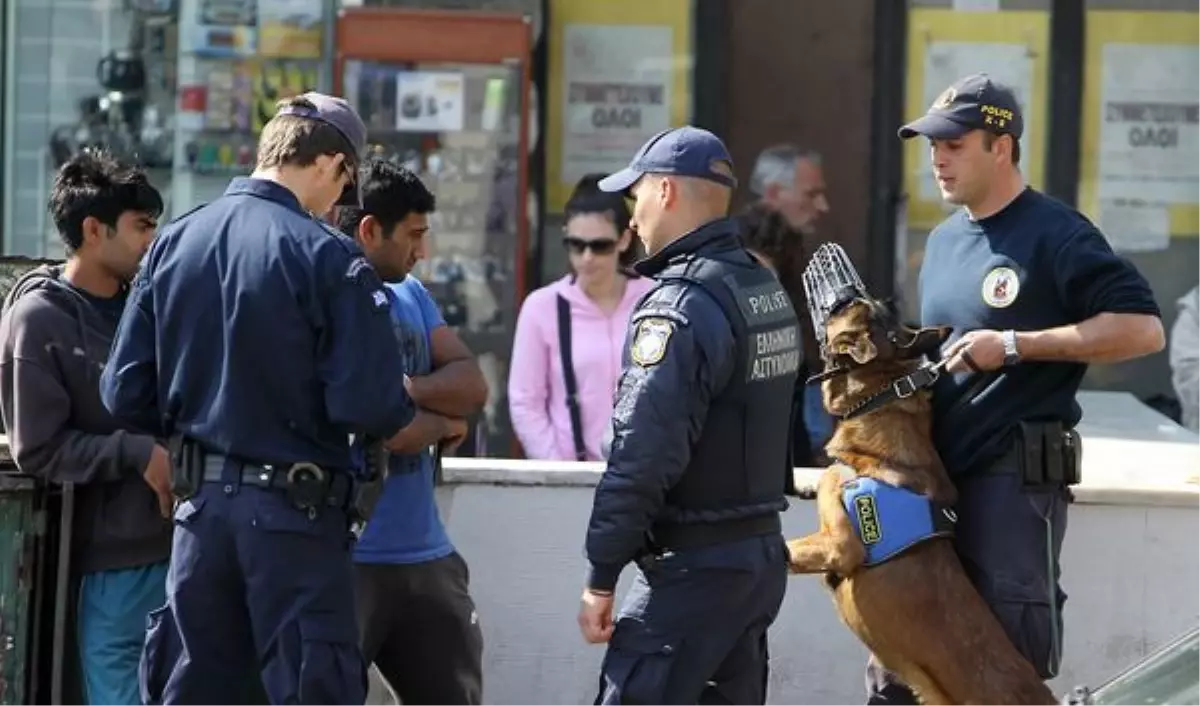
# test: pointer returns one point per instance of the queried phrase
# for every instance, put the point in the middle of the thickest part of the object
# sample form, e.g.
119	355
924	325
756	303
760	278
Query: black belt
334	487
691	536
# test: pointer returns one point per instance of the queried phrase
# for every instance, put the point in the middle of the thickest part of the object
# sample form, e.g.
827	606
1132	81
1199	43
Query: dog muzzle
830	283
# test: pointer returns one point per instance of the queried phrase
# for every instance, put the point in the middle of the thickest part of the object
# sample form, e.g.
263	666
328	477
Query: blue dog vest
889	519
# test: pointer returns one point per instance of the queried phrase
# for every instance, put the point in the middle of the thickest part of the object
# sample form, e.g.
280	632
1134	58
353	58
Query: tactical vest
741	463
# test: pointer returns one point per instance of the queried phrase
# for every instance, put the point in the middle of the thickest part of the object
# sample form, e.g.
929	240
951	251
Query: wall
524	547
1131	570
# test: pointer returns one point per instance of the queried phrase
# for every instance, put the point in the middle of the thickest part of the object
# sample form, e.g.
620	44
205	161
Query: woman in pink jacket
590	309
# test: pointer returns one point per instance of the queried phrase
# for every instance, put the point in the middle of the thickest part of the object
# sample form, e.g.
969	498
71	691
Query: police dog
917	612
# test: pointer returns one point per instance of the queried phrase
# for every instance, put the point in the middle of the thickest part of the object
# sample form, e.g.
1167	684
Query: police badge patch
650	343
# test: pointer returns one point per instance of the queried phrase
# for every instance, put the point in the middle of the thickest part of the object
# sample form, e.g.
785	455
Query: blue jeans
113	606
817	421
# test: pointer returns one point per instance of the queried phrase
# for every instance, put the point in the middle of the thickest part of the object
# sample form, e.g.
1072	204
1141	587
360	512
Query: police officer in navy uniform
1034	294
700	446
258	340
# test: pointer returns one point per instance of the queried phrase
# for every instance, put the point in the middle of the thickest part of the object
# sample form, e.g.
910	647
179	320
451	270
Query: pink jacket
537	395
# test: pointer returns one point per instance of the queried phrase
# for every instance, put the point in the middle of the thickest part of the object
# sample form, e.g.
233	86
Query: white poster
429	101
976	5
947	62
1133	226
616	94
1148	123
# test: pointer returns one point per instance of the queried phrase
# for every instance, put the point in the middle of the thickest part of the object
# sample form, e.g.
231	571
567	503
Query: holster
187	466
1049	454
370	487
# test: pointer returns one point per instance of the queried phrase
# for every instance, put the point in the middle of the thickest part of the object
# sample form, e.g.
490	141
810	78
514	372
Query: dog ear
861	349
924	341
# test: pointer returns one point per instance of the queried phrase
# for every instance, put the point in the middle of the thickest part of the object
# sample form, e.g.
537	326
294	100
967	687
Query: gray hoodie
54	341
1185	356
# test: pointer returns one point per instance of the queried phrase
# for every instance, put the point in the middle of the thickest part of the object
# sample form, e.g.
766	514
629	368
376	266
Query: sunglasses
600	246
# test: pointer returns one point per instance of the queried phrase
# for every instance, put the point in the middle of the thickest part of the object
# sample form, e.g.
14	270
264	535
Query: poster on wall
429	101
222	28
1149	143
616	94
946	62
290	28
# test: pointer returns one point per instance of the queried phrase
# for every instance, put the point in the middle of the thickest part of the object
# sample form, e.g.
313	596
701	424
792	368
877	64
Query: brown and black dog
917	612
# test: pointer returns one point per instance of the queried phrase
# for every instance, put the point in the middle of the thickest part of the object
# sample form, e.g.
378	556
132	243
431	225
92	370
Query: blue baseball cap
684	151
338	114
975	102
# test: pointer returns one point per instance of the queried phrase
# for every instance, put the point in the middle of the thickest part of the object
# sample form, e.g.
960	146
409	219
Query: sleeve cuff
603	577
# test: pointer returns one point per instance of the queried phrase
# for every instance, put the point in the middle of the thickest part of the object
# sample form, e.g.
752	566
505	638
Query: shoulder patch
357	265
650	340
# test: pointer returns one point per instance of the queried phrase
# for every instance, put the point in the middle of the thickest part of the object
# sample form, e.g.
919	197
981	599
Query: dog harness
890	519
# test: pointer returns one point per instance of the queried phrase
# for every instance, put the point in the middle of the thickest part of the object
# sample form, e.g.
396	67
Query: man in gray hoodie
56	329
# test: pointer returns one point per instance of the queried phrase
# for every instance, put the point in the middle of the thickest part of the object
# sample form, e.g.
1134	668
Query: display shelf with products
458	127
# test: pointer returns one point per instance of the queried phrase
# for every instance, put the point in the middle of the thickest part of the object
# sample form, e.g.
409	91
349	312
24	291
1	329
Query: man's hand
978	351
595	616
158	476
456	433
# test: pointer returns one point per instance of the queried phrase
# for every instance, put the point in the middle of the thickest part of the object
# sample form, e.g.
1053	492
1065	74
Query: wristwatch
1011	355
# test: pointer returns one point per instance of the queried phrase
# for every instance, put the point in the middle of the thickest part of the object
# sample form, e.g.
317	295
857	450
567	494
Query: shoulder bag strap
564	350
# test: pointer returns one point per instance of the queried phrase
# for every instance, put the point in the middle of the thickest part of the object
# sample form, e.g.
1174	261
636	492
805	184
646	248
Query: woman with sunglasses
560	396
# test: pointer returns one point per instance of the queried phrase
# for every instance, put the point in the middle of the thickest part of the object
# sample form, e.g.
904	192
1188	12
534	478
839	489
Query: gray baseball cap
337	113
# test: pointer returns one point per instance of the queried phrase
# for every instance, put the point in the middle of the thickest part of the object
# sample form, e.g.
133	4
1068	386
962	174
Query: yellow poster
620	71
1140	149
274	80
943	46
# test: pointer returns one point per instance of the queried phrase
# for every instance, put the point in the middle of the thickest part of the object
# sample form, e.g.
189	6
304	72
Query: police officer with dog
257	339
699	460
1035	295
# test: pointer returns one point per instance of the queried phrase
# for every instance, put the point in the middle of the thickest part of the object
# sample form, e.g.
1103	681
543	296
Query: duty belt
307	485
692	536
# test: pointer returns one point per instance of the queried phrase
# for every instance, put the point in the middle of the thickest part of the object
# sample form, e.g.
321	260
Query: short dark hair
588	199
989	138
93	183
389	192
293	141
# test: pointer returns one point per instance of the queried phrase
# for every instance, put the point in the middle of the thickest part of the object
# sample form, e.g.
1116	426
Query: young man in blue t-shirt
1034	294
416	616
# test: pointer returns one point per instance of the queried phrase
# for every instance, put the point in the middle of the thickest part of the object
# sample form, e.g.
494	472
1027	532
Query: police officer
258	339
699	459
1035	294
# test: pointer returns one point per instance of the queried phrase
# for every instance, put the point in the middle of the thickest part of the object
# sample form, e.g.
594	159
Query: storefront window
181	87
1140	157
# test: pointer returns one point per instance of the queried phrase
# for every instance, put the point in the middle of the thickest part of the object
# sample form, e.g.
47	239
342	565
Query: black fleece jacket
54	341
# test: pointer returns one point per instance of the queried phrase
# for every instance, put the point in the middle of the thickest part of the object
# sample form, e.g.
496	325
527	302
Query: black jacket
54	341
701	421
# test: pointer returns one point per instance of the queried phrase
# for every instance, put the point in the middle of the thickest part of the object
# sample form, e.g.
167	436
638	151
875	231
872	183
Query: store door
447	94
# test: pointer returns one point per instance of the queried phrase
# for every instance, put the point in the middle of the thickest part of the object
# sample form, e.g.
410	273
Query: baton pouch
1049	455
187	465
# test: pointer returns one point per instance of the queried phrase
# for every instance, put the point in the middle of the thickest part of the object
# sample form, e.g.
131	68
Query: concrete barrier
1131	569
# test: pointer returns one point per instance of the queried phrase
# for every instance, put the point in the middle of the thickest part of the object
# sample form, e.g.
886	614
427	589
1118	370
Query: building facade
504	104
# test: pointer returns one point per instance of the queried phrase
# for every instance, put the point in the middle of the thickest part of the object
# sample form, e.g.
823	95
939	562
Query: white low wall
1131	568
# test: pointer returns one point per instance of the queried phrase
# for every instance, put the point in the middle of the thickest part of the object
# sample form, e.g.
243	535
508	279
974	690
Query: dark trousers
420	629
693	628
258	596
1009	539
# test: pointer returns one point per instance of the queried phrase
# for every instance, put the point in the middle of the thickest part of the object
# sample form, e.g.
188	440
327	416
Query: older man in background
790	181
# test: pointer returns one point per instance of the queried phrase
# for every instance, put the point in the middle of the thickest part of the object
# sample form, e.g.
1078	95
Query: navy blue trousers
693	627
259	598
1009	539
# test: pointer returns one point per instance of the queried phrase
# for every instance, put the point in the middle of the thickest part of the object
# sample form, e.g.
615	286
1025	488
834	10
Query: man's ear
860	348
924	341
369	232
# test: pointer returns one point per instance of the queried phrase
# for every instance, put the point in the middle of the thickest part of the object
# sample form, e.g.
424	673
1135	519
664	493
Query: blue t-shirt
1036	264
405	527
